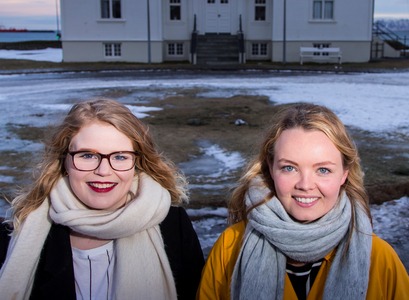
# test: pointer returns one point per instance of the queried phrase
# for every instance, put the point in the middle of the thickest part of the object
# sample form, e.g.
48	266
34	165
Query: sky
41	14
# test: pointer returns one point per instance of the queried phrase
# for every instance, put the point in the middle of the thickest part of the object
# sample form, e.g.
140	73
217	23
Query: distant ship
13	29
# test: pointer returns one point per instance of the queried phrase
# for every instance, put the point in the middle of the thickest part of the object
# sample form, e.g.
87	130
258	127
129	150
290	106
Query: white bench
320	54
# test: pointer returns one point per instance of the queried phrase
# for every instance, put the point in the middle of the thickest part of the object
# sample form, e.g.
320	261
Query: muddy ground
188	119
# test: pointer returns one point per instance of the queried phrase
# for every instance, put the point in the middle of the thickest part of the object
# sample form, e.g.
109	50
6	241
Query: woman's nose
104	167
305	182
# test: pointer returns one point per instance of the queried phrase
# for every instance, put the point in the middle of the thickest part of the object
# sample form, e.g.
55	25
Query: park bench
320	54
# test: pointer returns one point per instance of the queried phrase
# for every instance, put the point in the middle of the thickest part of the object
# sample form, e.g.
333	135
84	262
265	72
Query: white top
93	271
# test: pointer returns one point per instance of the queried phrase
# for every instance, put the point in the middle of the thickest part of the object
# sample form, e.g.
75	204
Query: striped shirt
302	277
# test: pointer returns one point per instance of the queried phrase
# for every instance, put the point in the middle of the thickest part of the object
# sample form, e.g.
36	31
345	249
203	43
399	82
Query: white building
161	30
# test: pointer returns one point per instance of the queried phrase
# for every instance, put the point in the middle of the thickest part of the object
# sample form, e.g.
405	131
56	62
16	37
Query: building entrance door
217	16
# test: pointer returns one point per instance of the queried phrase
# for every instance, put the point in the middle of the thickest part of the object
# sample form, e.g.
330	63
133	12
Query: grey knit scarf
272	235
142	270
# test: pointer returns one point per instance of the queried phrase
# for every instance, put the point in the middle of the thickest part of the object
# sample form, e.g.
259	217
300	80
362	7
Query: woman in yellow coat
301	221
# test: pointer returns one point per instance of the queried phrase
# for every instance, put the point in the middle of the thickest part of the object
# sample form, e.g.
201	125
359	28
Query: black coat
54	277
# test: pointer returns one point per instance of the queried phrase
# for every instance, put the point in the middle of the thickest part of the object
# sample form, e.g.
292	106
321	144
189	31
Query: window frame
178	49
260	6
175	5
259	49
112	50
321	45
111	9
325	10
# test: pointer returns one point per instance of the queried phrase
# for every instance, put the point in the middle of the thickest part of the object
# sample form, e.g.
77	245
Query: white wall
352	52
86	23
176	30
93	52
84	33
352	21
257	30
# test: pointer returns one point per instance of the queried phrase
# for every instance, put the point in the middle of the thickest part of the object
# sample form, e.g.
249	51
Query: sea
25	36
50	35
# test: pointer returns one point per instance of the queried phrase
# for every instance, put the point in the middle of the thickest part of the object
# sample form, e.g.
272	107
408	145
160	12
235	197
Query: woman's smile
306	201
102	187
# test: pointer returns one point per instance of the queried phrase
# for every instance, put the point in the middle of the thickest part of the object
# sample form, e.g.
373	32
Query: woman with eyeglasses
102	219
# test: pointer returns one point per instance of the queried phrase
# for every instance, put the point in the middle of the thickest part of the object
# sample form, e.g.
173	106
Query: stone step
217	48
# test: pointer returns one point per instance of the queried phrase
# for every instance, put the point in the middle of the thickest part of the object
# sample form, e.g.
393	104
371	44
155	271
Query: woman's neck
85	242
295	263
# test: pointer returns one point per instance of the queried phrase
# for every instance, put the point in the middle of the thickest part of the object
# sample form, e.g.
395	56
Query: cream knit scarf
142	270
271	236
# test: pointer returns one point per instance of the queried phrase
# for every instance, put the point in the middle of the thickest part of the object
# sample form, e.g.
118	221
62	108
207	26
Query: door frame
217	16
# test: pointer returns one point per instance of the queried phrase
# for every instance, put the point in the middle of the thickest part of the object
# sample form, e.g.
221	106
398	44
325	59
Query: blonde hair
118	115
309	117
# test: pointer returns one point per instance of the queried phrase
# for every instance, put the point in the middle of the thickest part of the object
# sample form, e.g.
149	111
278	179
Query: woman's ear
344	176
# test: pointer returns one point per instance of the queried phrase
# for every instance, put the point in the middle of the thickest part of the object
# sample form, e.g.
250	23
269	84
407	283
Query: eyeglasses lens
89	161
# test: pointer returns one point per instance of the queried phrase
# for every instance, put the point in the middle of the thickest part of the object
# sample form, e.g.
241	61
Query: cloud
392	16
29	14
392	8
24	8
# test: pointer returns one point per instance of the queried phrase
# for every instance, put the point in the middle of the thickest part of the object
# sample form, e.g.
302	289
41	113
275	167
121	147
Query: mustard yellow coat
388	278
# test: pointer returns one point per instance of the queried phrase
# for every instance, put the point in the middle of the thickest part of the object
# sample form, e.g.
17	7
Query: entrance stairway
217	49
382	35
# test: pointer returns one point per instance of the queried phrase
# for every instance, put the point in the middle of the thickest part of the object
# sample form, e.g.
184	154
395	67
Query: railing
240	36
193	43
377	50
395	41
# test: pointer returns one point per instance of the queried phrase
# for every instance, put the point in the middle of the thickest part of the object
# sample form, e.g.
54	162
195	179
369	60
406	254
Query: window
323	9
259	49
112	50
175	49
175	10
110	9
321	45
260	10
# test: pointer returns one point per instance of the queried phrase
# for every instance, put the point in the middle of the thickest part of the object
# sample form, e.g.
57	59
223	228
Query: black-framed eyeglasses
90	161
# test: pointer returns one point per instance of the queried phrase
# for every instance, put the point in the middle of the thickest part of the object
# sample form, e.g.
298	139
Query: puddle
213	170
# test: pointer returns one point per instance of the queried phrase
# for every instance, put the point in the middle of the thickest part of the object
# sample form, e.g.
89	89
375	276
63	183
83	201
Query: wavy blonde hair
309	117
109	111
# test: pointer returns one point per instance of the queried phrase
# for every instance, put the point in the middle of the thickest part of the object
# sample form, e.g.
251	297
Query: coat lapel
55	273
